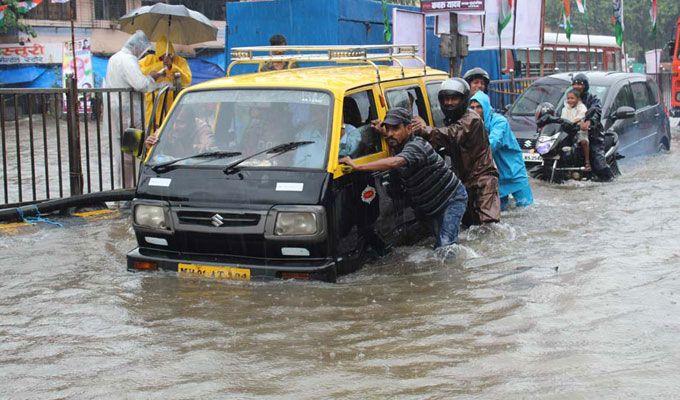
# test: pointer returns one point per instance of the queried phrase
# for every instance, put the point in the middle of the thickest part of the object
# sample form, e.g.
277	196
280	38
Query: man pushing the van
467	143
434	191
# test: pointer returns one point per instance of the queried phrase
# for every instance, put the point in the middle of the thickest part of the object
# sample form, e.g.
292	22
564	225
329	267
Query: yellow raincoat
154	63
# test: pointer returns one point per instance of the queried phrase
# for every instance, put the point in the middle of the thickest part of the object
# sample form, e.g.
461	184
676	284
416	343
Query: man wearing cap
433	190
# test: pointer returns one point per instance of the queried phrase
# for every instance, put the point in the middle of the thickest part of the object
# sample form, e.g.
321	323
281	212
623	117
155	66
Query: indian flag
581	4
566	15
617	19
26	6
505	14
2	15
653	13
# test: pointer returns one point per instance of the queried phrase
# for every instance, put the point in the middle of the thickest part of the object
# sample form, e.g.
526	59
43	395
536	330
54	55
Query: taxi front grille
235	245
217	219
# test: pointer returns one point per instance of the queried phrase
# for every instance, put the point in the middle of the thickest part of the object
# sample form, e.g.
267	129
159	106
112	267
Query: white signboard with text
31	53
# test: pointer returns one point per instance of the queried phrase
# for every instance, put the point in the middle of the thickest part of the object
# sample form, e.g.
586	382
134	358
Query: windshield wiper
162	167
278	149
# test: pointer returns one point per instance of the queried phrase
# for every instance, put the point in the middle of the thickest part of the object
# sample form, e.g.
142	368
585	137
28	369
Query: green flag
617	20
566	17
387	32
505	14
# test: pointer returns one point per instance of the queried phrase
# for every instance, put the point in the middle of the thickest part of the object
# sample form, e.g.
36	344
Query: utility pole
75	167
454	46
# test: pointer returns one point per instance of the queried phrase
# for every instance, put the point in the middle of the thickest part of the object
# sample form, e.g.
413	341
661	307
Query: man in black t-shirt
434	191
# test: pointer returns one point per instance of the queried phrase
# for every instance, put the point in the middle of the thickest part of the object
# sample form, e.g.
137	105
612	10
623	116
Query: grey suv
647	132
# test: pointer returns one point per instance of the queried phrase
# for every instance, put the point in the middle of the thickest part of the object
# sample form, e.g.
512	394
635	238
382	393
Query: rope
37	218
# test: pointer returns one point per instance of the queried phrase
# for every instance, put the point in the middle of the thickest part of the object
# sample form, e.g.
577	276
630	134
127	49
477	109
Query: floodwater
576	297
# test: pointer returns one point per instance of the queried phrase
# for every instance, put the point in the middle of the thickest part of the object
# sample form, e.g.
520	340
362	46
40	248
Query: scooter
562	155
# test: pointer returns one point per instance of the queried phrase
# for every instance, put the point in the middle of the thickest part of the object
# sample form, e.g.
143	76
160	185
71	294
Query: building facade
97	20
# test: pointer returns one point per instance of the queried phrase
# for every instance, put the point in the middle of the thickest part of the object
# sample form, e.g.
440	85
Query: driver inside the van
312	155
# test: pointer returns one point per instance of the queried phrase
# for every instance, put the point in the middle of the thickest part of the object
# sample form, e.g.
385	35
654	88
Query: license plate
532	157
212	272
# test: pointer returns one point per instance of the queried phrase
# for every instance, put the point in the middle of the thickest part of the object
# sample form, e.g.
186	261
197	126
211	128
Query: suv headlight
296	224
149	216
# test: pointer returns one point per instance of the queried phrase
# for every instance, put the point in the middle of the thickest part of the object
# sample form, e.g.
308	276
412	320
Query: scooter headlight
296	224
544	147
545	143
150	216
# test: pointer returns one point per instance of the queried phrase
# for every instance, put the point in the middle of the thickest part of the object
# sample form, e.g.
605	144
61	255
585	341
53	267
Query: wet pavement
576	297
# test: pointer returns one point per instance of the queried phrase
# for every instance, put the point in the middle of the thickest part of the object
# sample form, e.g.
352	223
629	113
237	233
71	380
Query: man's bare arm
385	164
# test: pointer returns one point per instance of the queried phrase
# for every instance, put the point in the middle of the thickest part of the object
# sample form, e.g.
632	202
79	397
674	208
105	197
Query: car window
433	95
551	91
410	98
653	92
622	99
358	139
248	121
640	95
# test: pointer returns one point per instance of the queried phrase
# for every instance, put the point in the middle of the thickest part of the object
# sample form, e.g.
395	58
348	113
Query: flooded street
576	297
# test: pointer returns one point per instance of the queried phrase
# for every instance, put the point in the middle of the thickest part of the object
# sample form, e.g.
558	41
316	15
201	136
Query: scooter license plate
532	157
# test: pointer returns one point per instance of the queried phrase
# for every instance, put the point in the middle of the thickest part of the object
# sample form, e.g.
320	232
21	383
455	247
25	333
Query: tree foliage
638	36
12	21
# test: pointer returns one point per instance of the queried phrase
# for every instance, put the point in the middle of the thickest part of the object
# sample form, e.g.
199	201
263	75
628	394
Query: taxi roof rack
342	54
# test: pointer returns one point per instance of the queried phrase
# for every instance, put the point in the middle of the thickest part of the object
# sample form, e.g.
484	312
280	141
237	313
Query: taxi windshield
246	122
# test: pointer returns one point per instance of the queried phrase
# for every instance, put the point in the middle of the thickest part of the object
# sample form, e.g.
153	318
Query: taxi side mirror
624	112
133	142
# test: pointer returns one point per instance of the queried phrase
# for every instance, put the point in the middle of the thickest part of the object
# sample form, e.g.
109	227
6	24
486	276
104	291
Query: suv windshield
553	92
247	121
550	90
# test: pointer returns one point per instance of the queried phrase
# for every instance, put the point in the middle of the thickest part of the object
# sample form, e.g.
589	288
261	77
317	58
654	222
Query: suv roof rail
341	54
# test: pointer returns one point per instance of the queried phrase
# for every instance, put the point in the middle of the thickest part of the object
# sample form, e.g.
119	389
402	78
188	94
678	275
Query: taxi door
409	94
364	212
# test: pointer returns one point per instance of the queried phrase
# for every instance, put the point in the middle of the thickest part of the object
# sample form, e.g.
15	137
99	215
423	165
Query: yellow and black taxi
244	181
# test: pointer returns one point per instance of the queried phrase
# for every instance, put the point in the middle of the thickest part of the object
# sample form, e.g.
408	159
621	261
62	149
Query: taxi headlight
296	223
151	216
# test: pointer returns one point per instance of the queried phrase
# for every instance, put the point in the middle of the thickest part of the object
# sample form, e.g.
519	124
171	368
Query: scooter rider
467	143
478	79
593	126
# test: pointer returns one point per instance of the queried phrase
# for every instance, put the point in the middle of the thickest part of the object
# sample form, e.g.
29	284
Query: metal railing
504	92
54	146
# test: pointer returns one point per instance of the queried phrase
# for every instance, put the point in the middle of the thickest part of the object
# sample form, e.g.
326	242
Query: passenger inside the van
262	130
187	135
350	139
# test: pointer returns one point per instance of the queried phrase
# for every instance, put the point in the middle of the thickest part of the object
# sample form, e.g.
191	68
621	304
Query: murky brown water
576	297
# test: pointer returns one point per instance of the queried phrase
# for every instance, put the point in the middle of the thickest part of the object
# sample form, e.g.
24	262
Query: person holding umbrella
170	66
123	72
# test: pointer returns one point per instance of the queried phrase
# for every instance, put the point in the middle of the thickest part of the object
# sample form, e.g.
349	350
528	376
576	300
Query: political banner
83	66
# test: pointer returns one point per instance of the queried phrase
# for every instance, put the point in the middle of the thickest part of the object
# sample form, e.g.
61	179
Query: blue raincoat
506	153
